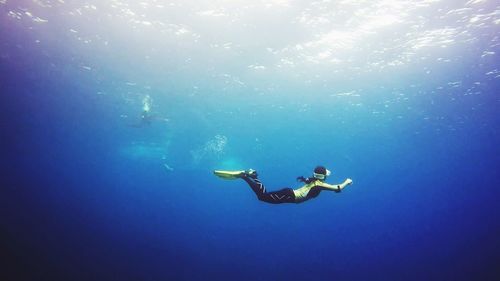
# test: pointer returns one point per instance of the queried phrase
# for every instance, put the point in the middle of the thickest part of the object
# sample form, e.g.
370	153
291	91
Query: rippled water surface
114	114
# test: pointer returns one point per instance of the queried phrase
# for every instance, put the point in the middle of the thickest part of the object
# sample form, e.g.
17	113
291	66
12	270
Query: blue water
400	96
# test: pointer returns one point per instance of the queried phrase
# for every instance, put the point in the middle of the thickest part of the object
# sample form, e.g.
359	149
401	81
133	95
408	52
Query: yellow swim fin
229	175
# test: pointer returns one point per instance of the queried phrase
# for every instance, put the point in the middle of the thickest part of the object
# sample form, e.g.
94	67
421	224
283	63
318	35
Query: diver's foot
231	175
251	173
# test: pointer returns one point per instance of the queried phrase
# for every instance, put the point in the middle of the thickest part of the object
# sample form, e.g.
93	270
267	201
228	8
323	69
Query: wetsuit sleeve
331	187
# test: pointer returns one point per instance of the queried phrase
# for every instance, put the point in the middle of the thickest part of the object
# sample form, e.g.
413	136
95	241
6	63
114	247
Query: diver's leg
285	195
255	184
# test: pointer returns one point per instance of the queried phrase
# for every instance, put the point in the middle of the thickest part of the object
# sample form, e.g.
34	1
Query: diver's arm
336	187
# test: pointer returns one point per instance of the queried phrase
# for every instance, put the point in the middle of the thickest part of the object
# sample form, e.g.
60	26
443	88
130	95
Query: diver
146	118
312	188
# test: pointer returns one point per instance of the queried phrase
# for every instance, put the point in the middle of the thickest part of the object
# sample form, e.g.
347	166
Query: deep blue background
423	206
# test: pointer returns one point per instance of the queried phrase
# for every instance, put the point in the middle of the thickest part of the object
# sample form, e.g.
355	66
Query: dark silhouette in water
313	186
145	120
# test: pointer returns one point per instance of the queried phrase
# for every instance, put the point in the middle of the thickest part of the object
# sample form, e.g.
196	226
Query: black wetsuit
284	195
288	195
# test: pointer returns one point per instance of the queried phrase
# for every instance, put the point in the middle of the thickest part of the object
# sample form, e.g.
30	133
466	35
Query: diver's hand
348	182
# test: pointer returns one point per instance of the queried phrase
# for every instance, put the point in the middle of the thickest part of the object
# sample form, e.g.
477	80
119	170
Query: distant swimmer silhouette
146	117
313	186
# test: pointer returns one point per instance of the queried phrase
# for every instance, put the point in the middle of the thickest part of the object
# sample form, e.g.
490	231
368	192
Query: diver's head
321	173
